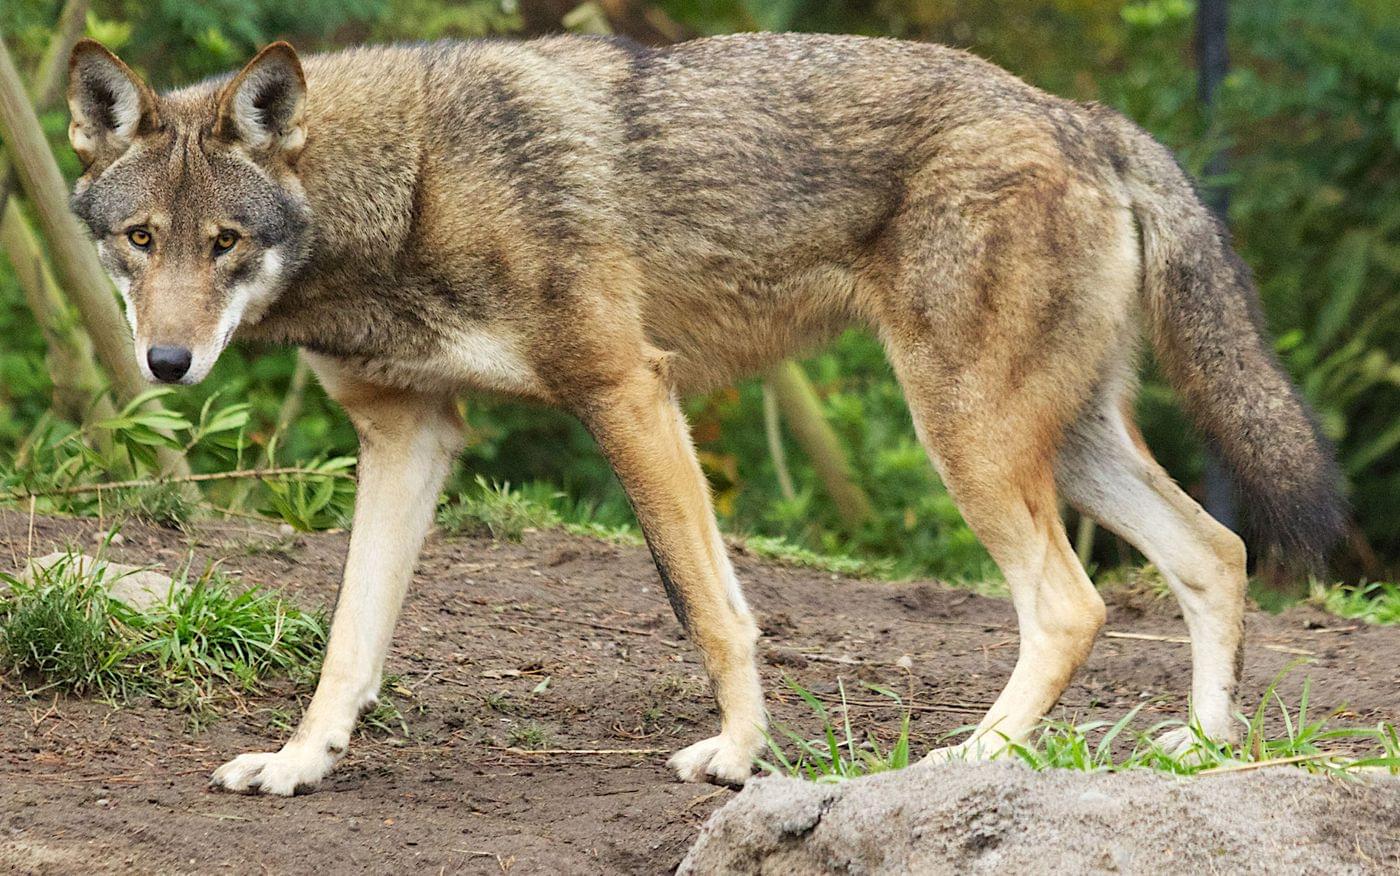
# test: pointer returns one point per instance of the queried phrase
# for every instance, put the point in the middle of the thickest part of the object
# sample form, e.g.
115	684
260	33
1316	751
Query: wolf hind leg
1059	613
1106	471
998	468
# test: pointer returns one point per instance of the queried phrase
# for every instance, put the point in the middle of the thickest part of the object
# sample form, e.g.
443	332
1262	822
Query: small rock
136	586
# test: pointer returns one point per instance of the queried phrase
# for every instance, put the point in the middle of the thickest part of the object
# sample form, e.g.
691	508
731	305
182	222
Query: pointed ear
110	104
264	106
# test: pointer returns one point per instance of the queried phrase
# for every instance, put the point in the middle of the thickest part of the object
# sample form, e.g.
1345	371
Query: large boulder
1005	818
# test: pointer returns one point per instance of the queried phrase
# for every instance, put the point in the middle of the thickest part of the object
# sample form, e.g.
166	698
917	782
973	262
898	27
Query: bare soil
90	787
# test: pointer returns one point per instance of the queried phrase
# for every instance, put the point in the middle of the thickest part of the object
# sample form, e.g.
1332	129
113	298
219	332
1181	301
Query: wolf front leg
407	442
641	430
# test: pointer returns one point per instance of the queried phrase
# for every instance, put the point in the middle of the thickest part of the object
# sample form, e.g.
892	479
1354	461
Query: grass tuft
836	754
187	650
59	626
1375	603
529	735
496	510
784	551
1312	743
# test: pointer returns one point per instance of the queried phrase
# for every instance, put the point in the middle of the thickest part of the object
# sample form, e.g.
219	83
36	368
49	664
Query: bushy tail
1208	333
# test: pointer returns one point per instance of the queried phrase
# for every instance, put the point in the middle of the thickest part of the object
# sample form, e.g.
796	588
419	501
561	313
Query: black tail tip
1303	526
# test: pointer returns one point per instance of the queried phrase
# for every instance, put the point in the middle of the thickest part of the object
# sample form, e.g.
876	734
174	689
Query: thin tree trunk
46	85
802	411
72	252
1084	540
773	429
294	400
78	385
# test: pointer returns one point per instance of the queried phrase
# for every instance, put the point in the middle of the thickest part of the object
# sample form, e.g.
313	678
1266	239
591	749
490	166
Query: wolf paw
972	750
284	773
1191	745
717	759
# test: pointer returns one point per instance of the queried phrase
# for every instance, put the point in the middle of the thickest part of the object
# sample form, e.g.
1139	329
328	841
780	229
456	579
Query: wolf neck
427	183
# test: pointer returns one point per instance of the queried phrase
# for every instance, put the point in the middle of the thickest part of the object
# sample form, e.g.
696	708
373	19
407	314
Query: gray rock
1003	817
136	586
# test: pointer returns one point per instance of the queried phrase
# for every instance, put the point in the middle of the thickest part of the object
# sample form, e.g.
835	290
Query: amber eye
224	242
140	238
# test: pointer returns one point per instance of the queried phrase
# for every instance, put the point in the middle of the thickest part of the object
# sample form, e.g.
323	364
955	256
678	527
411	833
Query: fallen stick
545	752
177	479
974	708
1183	640
1260	764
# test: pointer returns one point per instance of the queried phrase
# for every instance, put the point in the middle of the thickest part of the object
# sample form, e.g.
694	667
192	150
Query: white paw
1176	741
1187	741
977	749
286	772
717	759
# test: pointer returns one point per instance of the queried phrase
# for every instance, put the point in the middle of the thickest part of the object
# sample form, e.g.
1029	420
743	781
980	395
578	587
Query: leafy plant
1377	602
317	498
206	638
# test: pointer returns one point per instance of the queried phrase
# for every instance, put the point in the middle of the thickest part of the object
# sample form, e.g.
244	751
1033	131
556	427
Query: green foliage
496	510
530	735
785	551
59	627
837	754
1312	743
321	498
212	635
1376	602
205	638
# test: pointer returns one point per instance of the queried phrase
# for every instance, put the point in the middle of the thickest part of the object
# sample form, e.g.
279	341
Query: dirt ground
85	787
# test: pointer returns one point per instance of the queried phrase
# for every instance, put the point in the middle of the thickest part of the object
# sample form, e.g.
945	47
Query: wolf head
193	198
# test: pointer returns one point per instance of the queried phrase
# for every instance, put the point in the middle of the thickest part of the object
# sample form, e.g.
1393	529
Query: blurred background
1287	112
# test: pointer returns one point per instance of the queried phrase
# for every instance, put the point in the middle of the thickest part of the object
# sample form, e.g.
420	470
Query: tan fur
603	227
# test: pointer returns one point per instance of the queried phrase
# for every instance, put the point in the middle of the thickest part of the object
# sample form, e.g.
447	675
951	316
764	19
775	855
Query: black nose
168	363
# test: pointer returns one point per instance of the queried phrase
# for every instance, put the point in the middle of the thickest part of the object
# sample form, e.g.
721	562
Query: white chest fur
473	358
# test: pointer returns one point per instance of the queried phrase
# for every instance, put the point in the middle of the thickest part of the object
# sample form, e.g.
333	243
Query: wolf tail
1207	329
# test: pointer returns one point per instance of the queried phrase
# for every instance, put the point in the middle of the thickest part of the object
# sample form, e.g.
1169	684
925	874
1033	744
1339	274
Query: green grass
783	551
1313	743
529	735
190	650
496	510
837	754
1375	603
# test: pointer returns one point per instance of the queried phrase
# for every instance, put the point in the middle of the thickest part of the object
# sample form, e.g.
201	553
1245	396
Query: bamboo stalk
803	414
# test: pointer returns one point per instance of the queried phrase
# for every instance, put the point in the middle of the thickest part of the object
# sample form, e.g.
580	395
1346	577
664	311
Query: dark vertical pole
1212	61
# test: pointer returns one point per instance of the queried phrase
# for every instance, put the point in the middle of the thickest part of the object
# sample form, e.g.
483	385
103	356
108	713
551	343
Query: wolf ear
264	106
110	104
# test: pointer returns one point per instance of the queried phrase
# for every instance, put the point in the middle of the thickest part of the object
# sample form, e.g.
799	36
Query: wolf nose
168	364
